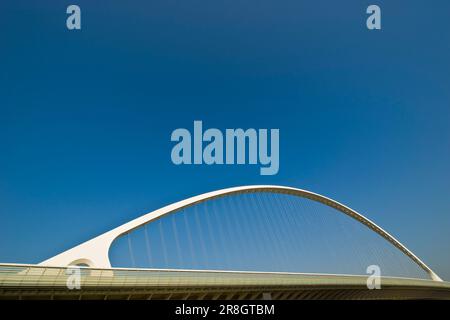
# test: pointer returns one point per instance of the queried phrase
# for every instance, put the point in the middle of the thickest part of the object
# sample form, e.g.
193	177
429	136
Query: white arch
96	250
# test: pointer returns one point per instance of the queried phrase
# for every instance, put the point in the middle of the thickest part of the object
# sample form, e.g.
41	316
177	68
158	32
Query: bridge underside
36	282
225	293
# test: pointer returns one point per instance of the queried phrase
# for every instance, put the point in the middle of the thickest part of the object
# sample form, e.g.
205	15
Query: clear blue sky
86	116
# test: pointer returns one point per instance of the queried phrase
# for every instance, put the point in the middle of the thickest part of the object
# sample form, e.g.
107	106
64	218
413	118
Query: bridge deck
31	282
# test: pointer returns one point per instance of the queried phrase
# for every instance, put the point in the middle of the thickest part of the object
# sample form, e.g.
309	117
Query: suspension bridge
249	242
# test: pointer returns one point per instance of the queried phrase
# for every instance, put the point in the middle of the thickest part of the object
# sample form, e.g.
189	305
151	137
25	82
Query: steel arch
96	250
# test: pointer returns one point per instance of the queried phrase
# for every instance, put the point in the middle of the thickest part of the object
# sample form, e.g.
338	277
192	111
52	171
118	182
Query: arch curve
82	262
96	250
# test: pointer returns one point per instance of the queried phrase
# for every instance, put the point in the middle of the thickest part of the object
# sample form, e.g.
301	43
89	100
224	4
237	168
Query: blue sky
86	116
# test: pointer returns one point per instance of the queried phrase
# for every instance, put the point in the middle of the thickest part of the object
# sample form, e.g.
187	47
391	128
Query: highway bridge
232	266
